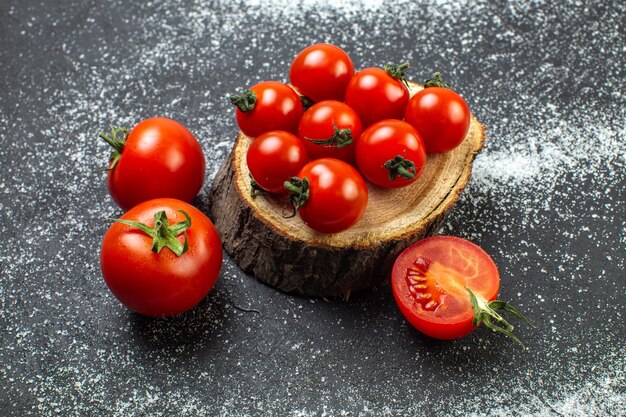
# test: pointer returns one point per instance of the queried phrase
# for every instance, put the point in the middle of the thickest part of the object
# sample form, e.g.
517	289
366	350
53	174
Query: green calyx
255	188
306	102
487	313
400	166
300	192
244	102
164	234
117	139
339	139
436	82
397	72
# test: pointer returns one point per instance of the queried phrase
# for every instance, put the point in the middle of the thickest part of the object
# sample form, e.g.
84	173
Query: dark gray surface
546	201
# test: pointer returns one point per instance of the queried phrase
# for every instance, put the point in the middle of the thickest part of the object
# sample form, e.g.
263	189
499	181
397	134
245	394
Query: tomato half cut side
430	281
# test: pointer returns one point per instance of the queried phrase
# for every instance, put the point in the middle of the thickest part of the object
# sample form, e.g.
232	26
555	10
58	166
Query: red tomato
329	129
163	283
322	72
375	95
390	154
445	286
267	106
441	117
273	158
158	158
329	194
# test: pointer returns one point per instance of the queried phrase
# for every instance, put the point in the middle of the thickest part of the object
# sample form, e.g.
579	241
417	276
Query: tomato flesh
430	280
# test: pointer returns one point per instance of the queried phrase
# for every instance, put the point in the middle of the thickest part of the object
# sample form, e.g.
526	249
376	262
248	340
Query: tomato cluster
320	136
163	256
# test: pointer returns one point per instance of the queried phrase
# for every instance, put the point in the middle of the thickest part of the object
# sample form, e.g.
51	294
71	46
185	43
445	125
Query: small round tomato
158	158
161	258
390	154
273	158
440	115
322	72
329	194
267	106
446	286
329	129
377	94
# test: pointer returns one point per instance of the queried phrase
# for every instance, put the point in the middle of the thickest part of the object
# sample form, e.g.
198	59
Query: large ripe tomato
434	281
267	106
377	94
390	154
322	72
141	268
158	158
329	194
329	129
440	115
273	158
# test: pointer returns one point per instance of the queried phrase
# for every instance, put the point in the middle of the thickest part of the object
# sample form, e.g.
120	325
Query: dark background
546	200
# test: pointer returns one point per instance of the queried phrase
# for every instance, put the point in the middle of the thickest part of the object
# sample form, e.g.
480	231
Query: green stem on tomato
244	102
486	312
162	233
255	188
400	166
300	192
397	72
436	81
116	142
339	139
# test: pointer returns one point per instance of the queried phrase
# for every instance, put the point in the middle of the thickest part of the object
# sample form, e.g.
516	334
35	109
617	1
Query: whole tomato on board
330	129
377	94
268	106
161	258
158	158
440	115
322	72
446	286
391	154
329	195
273	158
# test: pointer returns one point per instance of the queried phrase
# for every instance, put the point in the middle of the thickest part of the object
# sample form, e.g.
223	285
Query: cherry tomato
273	158
329	129
158	158
441	117
322	72
329	194
170	281
376	95
446	286
391	154
267	106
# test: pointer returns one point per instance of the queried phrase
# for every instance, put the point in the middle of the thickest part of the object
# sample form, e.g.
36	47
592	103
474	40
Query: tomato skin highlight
160	158
441	117
338	196
319	123
455	264
383	141
277	107
274	157
376	95
160	284
322	72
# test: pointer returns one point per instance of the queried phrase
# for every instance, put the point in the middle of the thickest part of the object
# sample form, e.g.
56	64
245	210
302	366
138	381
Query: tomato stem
436	81
400	166
255	188
162	233
397	72
301	191
244	102
486	312
116	142
339	139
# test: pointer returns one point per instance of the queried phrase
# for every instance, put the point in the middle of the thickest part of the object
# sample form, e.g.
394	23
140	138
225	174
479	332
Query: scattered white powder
546	200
